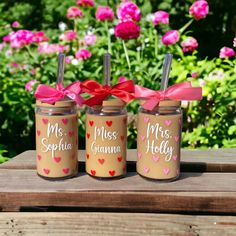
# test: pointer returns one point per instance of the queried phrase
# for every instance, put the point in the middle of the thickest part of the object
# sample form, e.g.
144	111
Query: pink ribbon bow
50	95
178	92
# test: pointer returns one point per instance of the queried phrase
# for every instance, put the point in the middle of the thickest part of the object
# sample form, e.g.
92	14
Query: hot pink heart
45	121
155	158
168	122
166	171
142	137
46	171
146	119
146	169
139	155
57	159
175	157
64	121
177	138
65	170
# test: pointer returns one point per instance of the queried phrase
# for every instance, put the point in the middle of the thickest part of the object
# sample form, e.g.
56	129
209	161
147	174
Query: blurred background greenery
210	123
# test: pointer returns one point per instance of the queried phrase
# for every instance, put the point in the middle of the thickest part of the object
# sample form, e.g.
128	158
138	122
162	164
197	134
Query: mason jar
159	141
106	133
56	139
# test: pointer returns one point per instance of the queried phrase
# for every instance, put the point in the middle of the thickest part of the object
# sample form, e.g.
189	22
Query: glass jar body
106	134
56	140
159	142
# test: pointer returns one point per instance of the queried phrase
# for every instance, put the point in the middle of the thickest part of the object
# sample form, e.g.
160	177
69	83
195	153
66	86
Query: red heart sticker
93	172
88	135
101	161
91	123
112	172
57	159
119	159
46	171
109	123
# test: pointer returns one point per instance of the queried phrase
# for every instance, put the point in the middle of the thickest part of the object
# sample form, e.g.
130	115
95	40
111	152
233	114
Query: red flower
85	3
127	30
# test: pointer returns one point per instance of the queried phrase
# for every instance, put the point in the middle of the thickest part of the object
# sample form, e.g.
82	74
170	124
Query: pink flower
226	52
85	3
74	12
33	71
122	79
234	42
128	11
68	36
83	54
46	48
202	82
160	17
127	30
104	13
14	64
68	59
2	45
39	37
194	75
30	84
170	37
90	39
199	9
189	44
21	38
15	24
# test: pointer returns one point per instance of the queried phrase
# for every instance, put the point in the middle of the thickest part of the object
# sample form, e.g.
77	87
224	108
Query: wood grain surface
123	224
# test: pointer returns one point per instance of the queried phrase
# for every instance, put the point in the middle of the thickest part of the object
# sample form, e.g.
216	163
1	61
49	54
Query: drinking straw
60	69
107	68
166	71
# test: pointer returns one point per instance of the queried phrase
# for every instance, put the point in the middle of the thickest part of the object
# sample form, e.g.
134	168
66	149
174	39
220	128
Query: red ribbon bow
178	92
121	90
50	95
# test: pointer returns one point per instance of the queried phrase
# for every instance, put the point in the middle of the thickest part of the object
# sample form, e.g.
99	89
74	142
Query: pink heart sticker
45	121
146	119
155	158
46	171
176	138
166	171
57	159
139	155
142	137
64	121
65	170
71	133
168	122
175	157
146	169
38	132
39	157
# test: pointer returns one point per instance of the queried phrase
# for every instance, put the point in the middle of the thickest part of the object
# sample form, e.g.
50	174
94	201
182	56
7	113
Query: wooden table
201	202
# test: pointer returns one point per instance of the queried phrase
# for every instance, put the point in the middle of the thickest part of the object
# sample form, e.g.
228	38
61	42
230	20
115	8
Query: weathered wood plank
127	224
210	160
206	192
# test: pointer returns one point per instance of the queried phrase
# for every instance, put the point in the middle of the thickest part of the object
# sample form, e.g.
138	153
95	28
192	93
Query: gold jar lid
165	103
62	103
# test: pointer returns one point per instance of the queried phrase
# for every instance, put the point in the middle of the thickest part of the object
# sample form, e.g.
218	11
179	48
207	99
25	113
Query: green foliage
208	123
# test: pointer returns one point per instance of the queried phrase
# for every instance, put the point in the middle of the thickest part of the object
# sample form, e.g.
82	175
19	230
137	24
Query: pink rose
83	54
29	85
160	17
189	44
68	36
74	12
15	24
68	59
39	37
127	30
90	39
104	13
128	11
199	9
122	79
194	75
226	52
46	48
170	37
85	3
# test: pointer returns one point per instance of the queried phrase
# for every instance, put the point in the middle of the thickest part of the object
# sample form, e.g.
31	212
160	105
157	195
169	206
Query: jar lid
165	103
62	103
113	103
